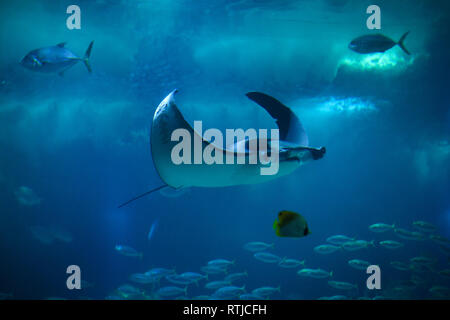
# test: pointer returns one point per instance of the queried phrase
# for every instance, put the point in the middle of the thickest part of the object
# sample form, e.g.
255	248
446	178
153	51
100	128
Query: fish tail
372	243
185	291
87	56
400	43
302	262
279	289
331	273
272	245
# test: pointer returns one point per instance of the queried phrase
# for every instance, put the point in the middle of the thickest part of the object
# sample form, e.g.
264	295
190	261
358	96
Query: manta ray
293	149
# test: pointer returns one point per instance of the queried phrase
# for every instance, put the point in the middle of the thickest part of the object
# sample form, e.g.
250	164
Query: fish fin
87	56
290	127
400	43
142	195
61	45
276	227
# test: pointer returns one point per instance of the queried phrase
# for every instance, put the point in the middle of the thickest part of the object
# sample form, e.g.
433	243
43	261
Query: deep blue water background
81	142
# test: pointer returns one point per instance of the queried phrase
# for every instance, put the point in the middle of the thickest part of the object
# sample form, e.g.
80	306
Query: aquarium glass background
74	147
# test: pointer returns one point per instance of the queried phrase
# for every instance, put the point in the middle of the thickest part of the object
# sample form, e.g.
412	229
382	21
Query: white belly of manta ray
168	118
283	157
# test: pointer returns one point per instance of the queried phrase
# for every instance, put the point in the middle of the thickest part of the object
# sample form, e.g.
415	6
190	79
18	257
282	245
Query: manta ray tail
143	195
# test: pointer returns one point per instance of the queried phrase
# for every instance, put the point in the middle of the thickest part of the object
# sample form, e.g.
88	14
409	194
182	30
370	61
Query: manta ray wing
291	129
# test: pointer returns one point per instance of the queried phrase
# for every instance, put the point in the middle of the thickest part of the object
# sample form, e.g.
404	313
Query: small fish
400	265
314	273
391	244
409	235
376	43
290	224
445	273
267	257
228	292
424	226
171	291
42	234
177	279
152	229
339	239
381	227
357	245
359	264
217	284
213	269
193	276
291	263
440	291
341	285
236	276
422	260
128	251
220	263
327	248
257	246
127	291
143	278
440	239
421	268
54	59
27	197
266	291
159	273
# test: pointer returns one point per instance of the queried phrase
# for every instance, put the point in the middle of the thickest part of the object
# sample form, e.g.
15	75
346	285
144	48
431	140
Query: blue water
81	142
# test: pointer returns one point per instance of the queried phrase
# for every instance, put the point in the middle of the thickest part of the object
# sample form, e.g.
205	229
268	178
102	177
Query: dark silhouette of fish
55	59
376	43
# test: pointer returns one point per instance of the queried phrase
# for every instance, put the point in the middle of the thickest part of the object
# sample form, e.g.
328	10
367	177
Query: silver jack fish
55	59
376	43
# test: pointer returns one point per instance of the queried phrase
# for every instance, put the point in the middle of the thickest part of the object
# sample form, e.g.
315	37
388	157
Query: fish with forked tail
55	59
376	43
